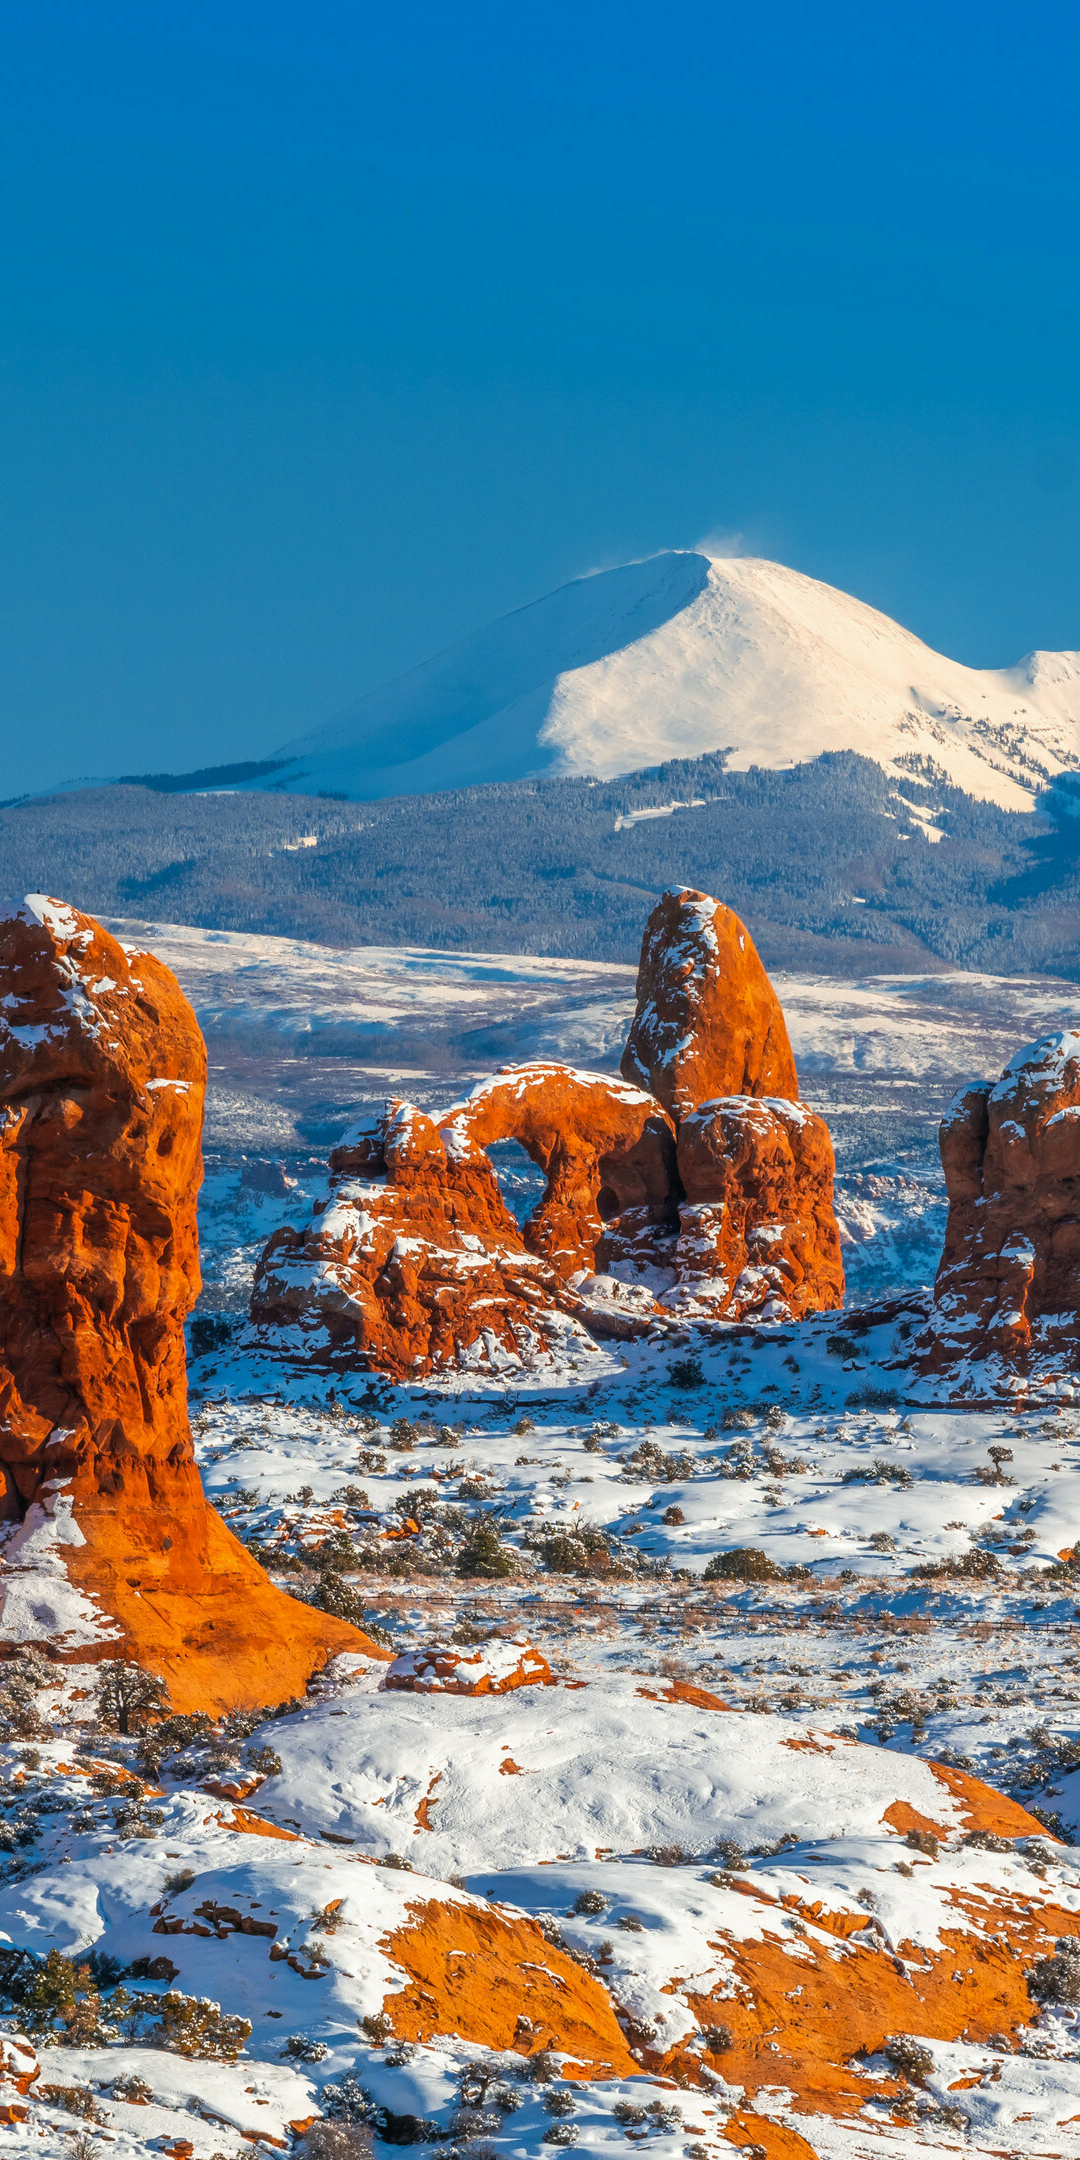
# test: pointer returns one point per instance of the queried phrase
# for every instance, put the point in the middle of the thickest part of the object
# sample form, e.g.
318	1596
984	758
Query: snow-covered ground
773	1578
683	654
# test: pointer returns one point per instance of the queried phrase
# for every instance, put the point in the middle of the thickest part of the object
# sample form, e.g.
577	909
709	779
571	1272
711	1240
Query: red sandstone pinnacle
102	1080
708	1021
758	1235
1008	1286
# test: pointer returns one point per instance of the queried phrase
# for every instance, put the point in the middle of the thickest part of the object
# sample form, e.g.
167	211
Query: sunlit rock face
1008	1288
110	1547
708	1021
414	1263
697	1184
757	1233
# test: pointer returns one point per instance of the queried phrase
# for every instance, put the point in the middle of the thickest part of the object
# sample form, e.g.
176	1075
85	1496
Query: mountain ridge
684	654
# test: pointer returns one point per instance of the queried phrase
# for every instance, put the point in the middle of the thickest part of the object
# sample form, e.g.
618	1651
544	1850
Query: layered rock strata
109	1546
1007	1291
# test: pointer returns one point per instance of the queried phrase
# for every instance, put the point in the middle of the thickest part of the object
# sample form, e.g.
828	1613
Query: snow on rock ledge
492	1669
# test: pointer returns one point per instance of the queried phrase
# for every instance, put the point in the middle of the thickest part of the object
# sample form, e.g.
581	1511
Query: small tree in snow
128	1697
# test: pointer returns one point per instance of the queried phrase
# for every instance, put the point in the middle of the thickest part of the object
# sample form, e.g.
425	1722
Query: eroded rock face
652	1204
414	1262
708	1021
110	1547
607	1151
1008	1287
757	1231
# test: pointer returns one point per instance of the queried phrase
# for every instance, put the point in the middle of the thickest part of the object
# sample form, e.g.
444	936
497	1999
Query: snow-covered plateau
790	1604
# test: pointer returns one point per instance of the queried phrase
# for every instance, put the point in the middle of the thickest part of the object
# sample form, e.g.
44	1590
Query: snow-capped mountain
684	654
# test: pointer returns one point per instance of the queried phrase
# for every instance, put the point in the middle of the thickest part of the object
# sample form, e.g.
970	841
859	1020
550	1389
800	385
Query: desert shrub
199	2029
561	2133
482	1551
129	1698
77	2100
744	1563
1056	1979
337	2141
718	2038
265	1760
630	1923
923	1841
968	1567
134	2090
674	1515
879	1472
590	1901
909	2056
403	1434
559	2102
668	1855
990	1474
332	1594
371	1462
647	1464
686	1372
347	2101
298	2048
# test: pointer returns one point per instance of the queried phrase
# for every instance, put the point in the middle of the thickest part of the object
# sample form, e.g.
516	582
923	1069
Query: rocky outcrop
708	1021
607	1151
1007	1293
414	1262
651	1205
757	1231
109	1546
495	1667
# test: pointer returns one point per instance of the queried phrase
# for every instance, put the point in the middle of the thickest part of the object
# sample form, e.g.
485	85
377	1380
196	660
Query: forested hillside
833	865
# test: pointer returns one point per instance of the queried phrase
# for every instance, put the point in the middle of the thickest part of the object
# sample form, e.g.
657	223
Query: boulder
1008	1288
110	1548
492	1668
708	1021
757	1233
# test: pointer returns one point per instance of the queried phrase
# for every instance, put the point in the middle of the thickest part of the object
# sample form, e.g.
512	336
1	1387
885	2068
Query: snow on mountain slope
685	654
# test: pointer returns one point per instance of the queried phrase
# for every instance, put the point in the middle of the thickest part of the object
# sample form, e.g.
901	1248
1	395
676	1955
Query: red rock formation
708	1021
494	1668
111	1548
414	1261
1008	1288
758	1234
607	1151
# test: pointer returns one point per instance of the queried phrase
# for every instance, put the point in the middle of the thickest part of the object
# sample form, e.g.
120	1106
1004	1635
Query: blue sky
329	332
